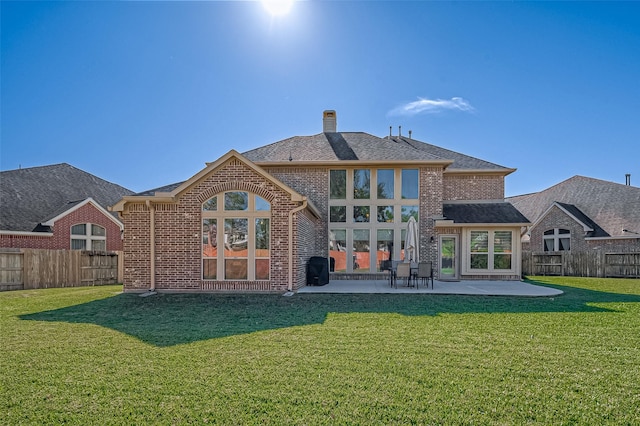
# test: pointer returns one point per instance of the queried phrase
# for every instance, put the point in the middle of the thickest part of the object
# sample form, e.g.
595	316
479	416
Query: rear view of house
252	221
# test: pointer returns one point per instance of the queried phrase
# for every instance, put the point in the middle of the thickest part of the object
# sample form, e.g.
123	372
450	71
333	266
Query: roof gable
170	193
73	206
590	228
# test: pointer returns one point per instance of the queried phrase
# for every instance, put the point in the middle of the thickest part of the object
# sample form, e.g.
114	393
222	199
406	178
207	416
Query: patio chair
403	271
387	266
394	267
425	273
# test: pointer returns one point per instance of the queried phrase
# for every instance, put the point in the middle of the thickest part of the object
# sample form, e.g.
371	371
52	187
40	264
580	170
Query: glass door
448	257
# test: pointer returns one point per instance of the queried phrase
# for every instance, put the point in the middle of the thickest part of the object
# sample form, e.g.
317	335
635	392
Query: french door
449	258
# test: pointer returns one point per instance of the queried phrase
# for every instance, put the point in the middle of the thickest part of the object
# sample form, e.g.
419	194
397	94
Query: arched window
88	236
557	239
236	237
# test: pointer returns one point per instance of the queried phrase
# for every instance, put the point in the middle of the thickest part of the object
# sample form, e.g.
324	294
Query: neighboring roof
593	229
360	146
31	196
166	188
611	207
483	213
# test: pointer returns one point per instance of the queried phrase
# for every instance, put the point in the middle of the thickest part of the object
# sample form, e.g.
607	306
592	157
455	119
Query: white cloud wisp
432	106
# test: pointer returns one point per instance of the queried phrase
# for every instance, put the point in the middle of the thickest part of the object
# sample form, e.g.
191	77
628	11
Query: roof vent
329	121
628	179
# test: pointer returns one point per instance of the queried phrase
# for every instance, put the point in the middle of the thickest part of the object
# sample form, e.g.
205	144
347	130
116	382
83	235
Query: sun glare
277	7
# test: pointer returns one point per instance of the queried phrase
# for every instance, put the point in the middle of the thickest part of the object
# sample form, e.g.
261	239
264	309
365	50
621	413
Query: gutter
152	245
291	213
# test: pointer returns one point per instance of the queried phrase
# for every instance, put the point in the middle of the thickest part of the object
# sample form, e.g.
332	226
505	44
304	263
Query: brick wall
314	184
626	245
473	187
431	193
178	229
136	247
61	239
556	218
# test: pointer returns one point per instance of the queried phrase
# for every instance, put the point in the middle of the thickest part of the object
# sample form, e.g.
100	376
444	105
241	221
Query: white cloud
432	106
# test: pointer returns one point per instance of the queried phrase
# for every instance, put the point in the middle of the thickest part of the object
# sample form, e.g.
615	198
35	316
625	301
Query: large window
368	210
490	250
557	239
244	238
88	236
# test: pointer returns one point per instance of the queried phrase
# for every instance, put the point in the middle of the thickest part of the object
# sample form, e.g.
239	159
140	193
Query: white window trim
556	239
87	237
466	259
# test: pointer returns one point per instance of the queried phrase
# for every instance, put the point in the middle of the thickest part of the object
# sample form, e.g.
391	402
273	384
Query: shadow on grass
172	319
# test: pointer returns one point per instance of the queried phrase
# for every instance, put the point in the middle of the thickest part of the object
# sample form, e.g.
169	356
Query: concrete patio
483	288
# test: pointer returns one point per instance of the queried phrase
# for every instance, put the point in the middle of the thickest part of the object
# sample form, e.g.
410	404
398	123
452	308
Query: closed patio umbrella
411	242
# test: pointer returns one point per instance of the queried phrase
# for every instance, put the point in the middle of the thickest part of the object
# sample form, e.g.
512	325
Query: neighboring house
582	214
58	207
251	221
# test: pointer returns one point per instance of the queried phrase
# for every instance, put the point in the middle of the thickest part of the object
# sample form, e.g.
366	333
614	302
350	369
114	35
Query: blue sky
144	93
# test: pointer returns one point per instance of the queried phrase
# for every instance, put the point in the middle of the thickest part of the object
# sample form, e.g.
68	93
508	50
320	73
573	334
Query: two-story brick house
251	221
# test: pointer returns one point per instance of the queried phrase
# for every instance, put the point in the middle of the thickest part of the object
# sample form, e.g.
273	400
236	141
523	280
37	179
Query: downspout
291	213
152	245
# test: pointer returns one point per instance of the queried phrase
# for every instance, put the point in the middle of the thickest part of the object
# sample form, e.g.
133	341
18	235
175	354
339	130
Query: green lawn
96	356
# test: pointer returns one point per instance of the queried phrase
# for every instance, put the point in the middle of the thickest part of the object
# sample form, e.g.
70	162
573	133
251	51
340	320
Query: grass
96	356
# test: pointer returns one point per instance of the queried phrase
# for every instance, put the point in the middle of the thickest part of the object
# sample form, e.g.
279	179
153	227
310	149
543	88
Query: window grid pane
98	245
410	183
235	201
338	213
211	204
210	269
409	211
361	184
385	214
361	213
385	184
338	248
262	237
80	229
361	249
262	269
98	231
78	244
338	184
235	269
209	238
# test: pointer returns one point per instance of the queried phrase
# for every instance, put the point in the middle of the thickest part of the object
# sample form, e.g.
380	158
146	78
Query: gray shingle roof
460	161
166	188
611	206
364	147
496	213
578	214
34	195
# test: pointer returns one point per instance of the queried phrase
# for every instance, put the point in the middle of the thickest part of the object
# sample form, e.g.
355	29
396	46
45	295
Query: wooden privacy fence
32	268
594	263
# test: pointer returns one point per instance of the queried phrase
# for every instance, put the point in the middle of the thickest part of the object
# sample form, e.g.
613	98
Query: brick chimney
329	122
